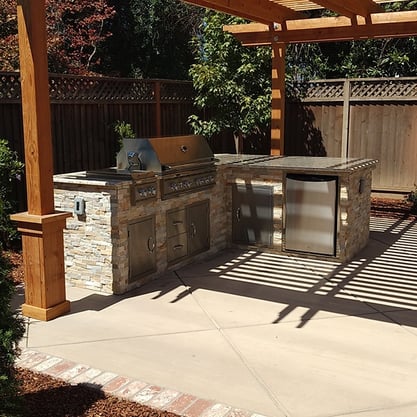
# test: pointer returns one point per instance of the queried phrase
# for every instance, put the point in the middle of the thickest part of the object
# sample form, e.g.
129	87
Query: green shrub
123	130
10	171
11	331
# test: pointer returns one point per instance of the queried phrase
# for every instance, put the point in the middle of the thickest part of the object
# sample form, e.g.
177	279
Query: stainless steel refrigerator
310	216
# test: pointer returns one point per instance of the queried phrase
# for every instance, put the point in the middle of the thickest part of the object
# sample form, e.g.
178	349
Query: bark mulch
44	396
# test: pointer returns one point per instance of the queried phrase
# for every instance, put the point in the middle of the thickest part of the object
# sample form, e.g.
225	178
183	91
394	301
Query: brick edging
161	398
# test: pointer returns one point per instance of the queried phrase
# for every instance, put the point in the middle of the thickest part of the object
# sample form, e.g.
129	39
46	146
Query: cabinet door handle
193	230
177	247
151	244
238	214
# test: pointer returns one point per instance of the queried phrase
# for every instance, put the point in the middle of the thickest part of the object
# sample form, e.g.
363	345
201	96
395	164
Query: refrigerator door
311	213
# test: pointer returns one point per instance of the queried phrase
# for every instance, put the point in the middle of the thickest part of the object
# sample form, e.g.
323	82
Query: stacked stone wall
97	242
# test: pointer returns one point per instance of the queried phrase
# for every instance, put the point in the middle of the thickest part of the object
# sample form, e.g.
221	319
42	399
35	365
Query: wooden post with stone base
41	227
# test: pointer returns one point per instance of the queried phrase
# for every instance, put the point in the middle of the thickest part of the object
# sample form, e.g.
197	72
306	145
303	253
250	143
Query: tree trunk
238	137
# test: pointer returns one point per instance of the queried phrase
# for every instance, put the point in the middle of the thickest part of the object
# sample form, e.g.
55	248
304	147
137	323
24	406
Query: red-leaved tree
76	28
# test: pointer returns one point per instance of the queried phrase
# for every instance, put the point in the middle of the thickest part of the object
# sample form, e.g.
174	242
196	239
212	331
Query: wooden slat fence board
382	124
380	118
313	130
387	132
85	109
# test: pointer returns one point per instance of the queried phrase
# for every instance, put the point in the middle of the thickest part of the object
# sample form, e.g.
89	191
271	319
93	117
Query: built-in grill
183	163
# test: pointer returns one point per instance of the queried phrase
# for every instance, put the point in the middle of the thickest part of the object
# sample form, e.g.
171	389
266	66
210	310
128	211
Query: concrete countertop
104	177
303	164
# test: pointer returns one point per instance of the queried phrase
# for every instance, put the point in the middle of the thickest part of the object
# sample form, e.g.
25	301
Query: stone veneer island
118	241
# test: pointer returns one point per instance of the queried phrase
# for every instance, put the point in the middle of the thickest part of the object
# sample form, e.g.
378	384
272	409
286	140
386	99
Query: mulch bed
45	396
392	208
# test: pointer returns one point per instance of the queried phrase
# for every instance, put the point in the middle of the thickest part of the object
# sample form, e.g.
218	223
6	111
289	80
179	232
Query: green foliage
232	82
305	62
123	130
11	331
75	30
151	38
10	171
355	59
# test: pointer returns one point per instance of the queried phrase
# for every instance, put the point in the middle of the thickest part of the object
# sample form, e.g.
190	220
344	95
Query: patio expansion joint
280	407
126	338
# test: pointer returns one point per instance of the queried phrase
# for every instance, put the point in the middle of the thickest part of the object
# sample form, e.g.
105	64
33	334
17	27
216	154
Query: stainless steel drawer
177	247
176	222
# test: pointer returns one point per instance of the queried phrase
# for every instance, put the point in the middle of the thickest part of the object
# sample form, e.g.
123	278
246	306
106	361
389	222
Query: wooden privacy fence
85	109
372	118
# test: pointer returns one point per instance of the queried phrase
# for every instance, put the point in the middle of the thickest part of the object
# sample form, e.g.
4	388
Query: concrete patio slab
331	366
252	334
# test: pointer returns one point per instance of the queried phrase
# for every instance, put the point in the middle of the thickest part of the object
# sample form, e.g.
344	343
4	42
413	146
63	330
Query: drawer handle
177	222
193	230
177	247
151	244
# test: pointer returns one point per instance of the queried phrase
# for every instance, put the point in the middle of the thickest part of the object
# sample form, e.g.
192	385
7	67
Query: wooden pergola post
41	227
278	98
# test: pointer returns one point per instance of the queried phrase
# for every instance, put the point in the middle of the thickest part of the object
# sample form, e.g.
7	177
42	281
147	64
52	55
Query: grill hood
162	154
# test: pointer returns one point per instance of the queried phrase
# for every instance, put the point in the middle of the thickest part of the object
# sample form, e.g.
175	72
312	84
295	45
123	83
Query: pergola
281	22
275	22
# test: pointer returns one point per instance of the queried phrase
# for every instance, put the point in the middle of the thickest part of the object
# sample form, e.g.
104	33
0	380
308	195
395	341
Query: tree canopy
128	38
75	32
152	39
232	83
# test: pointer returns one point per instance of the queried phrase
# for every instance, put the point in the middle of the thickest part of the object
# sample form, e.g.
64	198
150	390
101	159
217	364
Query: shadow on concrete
382	278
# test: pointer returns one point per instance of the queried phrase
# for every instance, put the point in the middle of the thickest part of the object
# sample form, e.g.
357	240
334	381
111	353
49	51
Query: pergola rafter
351	8
259	11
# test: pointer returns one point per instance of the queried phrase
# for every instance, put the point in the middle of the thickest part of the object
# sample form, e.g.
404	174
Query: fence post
158	108
346	118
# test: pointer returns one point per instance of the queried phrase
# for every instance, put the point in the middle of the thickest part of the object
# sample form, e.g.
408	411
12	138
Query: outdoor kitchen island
123	234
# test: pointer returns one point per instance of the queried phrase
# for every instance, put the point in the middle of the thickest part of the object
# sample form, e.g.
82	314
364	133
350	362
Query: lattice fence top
387	89
322	90
64	88
67	88
366	89
10	86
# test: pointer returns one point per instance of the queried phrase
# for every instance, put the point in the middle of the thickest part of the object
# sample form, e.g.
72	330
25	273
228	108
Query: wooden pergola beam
263	11
278	98
329	29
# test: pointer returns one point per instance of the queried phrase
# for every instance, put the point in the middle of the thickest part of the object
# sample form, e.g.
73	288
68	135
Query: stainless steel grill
183	163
